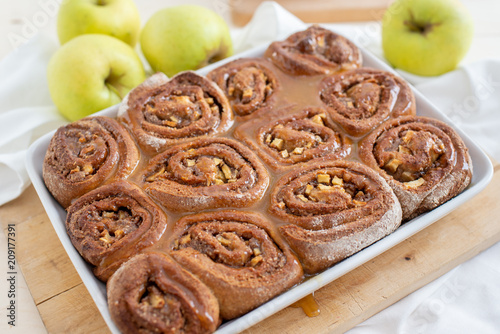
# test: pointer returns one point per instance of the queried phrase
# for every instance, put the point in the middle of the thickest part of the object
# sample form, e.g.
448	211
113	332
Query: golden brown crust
294	136
249	84
204	174
162	113
333	209
112	223
361	99
424	161
86	154
238	256
314	51
152	294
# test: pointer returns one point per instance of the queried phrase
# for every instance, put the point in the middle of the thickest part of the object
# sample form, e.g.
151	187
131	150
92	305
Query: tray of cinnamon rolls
208	201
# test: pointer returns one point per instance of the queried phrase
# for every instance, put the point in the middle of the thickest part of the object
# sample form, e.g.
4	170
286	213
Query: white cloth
26	110
462	301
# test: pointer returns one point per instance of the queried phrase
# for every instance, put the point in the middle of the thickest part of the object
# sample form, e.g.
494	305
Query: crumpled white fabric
462	301
26	110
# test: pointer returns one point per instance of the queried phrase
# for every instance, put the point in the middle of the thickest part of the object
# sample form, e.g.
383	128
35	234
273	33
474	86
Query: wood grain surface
314	11
66	306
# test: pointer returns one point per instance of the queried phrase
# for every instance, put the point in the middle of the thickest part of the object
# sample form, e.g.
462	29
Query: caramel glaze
309	305
299	92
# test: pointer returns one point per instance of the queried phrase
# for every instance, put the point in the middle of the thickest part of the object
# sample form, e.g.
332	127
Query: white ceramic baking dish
483	171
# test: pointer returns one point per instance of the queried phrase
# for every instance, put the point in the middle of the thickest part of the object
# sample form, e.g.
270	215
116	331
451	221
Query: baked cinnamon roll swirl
361	99
204	174
249	84
86	154
112	223
151	293
332	210
294	136
314	51
237	255
424	161
162	112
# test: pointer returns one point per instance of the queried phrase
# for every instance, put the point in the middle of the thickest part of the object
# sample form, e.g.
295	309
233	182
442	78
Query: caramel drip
309	305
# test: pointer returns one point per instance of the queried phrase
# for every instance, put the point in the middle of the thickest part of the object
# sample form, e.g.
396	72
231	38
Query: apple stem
420	28
101	2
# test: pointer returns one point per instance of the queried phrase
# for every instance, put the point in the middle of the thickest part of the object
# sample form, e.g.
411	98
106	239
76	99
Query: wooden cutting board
66	306
316	11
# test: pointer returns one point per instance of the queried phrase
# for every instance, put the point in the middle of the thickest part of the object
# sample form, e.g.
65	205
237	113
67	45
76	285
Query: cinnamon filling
233	244
409	157
157	305
295	137
198	171
86	153
329	192
249	85
325	45
180	108
113	224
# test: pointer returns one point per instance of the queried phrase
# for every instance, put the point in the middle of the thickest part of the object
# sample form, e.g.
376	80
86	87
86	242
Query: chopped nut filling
106	238
323	178
358	203
227	171
393	165
309	187
407	176
87	149
87	169
185	239
321	186
404	150
302	198
223	241
156	301
247	93
119	234
336	181
318	119
415	184
153	177
277	143
256	260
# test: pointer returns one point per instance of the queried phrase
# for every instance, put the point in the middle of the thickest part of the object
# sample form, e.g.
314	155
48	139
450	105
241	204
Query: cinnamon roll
424	161
332	209
361	99
249	84
152	294
237	255
294	136
206	173
162	112
112	223
314	51
86	154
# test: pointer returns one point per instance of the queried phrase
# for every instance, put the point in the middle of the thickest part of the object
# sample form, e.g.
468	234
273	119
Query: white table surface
18	18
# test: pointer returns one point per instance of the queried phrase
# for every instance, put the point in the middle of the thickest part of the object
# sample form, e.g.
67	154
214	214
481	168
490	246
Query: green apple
92	72
185	37
117	18
426	37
